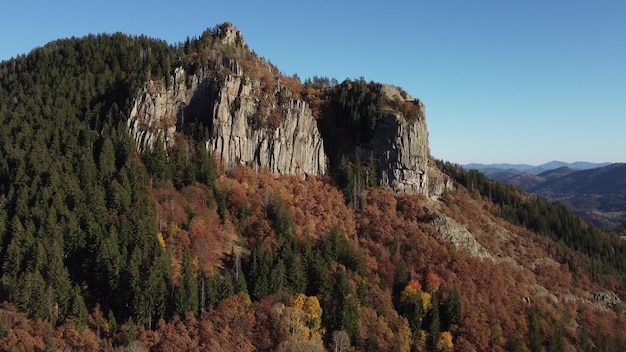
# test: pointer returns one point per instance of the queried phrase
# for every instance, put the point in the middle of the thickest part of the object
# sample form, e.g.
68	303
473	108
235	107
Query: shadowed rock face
401	148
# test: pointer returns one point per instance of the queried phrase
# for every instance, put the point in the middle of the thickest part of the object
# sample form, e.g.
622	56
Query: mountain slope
609	179
595	194
102	247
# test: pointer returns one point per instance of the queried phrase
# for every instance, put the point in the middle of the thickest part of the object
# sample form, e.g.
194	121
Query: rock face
401	148
157	109
226	104
452	232
236	108
294	147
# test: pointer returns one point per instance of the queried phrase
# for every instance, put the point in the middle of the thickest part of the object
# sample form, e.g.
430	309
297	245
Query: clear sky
518	81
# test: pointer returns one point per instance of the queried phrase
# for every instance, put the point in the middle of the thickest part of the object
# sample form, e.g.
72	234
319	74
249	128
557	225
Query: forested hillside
105	248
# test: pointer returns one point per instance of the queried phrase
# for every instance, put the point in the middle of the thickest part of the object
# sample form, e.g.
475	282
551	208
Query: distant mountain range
596	192
494	169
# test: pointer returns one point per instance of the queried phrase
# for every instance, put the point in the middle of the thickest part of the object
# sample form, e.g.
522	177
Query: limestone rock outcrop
294	147
456	234
400	147
226	103
235	108
157	109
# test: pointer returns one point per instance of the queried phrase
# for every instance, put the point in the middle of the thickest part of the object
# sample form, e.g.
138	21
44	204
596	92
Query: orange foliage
415	285
388	227
306	201
268	83
292	83
317	99
204	234
432	282
36	335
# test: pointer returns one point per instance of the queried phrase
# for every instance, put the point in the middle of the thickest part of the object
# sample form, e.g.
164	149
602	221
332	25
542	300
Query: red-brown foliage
388	230
292	83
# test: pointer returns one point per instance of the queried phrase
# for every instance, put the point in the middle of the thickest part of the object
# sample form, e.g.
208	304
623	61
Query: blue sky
503	81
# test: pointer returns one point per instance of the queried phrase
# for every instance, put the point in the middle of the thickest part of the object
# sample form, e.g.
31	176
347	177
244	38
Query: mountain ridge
490	169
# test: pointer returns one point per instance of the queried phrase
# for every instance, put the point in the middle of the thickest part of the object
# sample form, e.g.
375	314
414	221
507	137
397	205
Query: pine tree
156	161
401	279
212	284
106	160
187	294
296	275
452	310
259	273
226	288
535	330
206	168
434	325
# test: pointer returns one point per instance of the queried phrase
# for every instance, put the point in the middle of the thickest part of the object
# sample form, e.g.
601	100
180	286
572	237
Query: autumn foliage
381	278
106	249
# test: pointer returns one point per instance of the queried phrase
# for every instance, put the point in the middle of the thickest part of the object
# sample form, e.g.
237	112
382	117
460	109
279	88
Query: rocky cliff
400	146
157	110
231	106
294	147
401	149
235	107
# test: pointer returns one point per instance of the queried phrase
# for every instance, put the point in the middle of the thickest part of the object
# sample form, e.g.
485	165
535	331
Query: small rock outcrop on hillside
452	232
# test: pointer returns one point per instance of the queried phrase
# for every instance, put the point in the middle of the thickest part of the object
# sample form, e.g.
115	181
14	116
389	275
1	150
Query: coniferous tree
206	169
278	276
106	160
77	312
156	161
226	287
187	293
212	284
296	279
452	310
535	330
259	273
240	284
401	279
434	324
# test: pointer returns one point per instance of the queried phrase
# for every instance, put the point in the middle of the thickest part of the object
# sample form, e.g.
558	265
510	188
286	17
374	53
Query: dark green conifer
187	292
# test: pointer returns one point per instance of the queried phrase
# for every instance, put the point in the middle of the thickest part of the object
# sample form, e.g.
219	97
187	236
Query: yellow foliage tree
311	308
299	324
409	294
425	297
161	240
445	341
